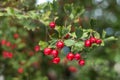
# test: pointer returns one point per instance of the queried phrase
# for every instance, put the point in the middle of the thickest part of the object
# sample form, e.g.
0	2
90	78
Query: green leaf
93	22
43	44
10	11
65	31
78	46
69	42
110	38
79	33
97	35
103	34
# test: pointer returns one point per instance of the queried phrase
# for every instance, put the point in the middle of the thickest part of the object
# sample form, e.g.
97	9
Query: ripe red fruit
56	60
70	56
31	53
98	41
60	44
72	69
8	44
3	42
7	54
77	56
16	35
52	25
47	51
87	43
81	62
67	36
54	53
20	70
10	55
37	48
92	39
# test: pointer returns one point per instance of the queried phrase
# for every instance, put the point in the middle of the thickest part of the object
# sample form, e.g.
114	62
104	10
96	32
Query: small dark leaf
93	22
79	33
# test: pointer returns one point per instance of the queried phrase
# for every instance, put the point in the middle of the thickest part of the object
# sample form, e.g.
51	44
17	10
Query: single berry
98	41
87	43
37	48
54	53
56	60
10	55
52	25
92	39
5	54
20	70
70	56
67	36
47	51
8	44
72	69
60	44
16	35
81	62
77	56
13	46
3	42
31	53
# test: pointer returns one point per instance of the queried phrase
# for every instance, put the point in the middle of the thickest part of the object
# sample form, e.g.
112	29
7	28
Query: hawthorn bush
54	41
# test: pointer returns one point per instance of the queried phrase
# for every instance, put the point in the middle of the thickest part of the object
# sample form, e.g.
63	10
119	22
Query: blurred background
22	26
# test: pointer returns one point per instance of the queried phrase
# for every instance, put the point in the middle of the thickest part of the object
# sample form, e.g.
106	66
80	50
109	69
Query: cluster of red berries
70	56
8	44
91	40
7	54
54	52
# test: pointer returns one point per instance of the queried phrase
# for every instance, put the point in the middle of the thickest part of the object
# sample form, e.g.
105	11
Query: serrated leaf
43	44
97	35
103	34
78	46
79	33
65	31
69	42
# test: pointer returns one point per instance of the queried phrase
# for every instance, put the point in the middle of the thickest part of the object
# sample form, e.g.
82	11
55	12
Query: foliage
23	26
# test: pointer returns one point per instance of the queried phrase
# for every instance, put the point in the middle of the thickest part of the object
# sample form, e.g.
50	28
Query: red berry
81	62
47	51
72	69
8	44
98	41
16	35
60	44
54	53
31	53
70	56
92	39
10	55
77	56
20	70
37	48
3	42
67	36
56	60
52	25
13	46
7	54
87	43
